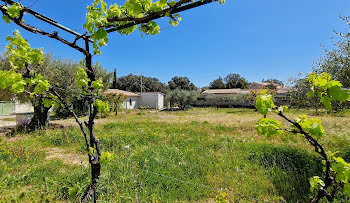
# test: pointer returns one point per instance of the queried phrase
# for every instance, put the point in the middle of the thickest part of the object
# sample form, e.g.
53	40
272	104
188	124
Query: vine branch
182	5
323	192
19	21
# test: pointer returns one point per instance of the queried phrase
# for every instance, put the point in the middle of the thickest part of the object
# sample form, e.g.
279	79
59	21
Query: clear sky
255	38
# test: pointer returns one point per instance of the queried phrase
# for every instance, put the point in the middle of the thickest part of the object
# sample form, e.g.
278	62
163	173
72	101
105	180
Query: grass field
169	157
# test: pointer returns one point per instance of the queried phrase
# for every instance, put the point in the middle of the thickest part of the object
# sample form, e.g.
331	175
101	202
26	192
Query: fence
6	108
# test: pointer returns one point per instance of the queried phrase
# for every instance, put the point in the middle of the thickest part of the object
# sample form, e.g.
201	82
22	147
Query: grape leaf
264	103
268	127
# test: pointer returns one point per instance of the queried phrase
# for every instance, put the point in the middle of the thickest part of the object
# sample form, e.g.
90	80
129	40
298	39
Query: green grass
196	152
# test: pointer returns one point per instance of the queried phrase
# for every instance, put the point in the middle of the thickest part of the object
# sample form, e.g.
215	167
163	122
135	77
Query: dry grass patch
67	157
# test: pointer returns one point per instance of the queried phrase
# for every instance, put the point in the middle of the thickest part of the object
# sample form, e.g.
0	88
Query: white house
154	100
131	100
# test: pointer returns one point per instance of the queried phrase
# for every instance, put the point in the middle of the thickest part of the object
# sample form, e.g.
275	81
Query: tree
336	62
116	102
63	77
234	80
55	76
60	73
336	172
273	80
272	86
299	95
6	95
217	84
101	20
132	83
182	83
114	83
182	97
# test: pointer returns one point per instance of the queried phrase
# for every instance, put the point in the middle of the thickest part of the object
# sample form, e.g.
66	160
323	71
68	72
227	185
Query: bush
183	98
225	101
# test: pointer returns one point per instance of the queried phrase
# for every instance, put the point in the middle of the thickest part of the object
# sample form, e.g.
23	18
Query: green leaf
163	2
6	19
102	106
264	103
346	189
91	150
172	3
19	52
18	87
341	168
282	108
312	126
11	79
106	157
315	183
173	22
14	10
310	93
98	84
113	11
326	102
40	83
327	89
48	102
100	34
337	94
81	78
268	127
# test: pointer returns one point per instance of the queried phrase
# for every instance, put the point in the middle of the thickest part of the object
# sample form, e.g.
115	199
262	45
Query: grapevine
336	170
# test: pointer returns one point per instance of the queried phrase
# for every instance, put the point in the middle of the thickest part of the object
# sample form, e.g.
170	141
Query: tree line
132	83
60	73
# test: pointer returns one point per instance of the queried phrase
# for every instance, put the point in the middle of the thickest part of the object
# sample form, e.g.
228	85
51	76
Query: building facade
153	100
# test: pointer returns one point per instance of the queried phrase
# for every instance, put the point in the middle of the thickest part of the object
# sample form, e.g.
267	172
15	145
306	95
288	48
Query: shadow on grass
288	168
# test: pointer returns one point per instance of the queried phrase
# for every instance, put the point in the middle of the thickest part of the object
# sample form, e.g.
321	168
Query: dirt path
7	122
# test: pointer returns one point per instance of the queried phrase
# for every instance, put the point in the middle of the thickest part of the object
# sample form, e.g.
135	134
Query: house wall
10	108
153	100
160	101
24	108
6	108
131	103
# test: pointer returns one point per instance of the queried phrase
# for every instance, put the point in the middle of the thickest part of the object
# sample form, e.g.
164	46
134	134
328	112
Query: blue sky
257	39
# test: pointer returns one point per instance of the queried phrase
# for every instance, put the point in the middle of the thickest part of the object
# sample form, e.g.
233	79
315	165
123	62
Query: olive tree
182	97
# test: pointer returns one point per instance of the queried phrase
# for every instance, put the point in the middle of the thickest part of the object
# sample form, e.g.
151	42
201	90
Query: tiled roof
150	93
224	91
118	92
242	91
